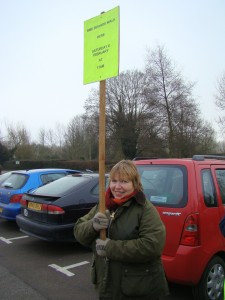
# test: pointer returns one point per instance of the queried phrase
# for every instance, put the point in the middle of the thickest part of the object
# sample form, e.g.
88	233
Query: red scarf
112	203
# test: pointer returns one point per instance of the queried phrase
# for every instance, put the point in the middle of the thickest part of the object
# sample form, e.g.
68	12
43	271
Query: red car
190	197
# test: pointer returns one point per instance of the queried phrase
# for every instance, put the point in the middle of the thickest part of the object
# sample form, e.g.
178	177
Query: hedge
67	164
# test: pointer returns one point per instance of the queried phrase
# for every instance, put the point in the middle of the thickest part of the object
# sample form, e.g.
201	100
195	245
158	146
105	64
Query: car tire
211	284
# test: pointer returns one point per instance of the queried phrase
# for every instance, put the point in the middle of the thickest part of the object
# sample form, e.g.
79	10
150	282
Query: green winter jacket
133	267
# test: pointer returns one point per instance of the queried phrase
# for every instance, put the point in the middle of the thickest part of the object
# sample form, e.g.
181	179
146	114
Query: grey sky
41	52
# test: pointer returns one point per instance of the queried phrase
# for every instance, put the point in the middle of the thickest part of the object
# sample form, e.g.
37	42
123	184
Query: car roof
197	159
84	175
45	170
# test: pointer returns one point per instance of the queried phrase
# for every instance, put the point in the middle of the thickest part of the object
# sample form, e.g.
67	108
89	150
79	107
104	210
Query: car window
46	178
164	185
61	186
95	190
209	191
15	181
220	175
4	176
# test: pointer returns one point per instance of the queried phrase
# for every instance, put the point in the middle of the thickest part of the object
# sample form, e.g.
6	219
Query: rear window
4	176
15	181
46	178
164	185
61	186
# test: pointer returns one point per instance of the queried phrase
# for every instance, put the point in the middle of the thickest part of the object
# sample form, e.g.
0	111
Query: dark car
49	212
16	183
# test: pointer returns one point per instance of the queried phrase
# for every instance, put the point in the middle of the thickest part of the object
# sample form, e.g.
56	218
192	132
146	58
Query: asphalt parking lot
38	270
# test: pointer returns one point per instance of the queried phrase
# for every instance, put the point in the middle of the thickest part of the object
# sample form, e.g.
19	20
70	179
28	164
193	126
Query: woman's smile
121	188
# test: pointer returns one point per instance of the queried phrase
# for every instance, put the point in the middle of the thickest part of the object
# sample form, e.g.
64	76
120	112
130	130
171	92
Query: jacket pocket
138	280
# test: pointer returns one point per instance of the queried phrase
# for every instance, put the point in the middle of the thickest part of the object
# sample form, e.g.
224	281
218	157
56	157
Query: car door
219	179
210	208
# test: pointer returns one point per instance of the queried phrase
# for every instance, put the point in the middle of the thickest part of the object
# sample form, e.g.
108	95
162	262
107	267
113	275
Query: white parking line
65	271
8	241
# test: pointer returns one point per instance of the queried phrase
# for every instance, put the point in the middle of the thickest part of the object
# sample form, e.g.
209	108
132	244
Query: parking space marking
8	241
65	271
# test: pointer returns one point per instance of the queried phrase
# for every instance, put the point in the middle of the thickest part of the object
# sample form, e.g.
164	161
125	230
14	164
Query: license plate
34	206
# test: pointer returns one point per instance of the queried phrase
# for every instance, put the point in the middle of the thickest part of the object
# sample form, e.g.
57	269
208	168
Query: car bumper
9	211
48	232
187	266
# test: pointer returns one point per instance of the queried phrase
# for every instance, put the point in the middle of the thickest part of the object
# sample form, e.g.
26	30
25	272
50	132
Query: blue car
19	182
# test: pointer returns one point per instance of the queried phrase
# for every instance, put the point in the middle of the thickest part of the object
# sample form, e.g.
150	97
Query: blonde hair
126	170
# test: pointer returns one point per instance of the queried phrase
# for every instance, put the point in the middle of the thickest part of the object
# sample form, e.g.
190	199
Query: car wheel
211	285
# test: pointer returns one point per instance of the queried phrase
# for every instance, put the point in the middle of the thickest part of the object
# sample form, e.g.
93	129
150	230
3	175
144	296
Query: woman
127	264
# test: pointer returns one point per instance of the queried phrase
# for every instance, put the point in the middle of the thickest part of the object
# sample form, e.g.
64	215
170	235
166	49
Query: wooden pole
102	152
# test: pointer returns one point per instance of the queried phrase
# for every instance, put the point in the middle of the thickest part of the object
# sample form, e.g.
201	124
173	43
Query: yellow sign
101	46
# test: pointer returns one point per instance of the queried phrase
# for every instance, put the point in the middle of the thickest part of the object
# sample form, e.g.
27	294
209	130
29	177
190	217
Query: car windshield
164	185
62	185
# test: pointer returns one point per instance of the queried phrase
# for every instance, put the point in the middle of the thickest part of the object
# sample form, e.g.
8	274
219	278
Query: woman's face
121	187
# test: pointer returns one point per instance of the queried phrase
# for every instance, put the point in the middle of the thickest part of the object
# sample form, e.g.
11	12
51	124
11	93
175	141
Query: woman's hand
100	221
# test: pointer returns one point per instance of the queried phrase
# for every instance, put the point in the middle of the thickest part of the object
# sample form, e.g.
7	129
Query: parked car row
14	184
189	195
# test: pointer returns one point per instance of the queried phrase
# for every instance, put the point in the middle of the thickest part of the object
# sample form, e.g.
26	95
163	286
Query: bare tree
91	121
221	147
175	109
75	139
125	113
60	134
220	100
220	97
47	137
126	110
17	134
18	140
42	137
192	134
51	143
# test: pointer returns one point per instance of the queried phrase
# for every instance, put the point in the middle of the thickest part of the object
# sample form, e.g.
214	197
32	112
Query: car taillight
55	210
52	209
23	202
190	234
16	198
